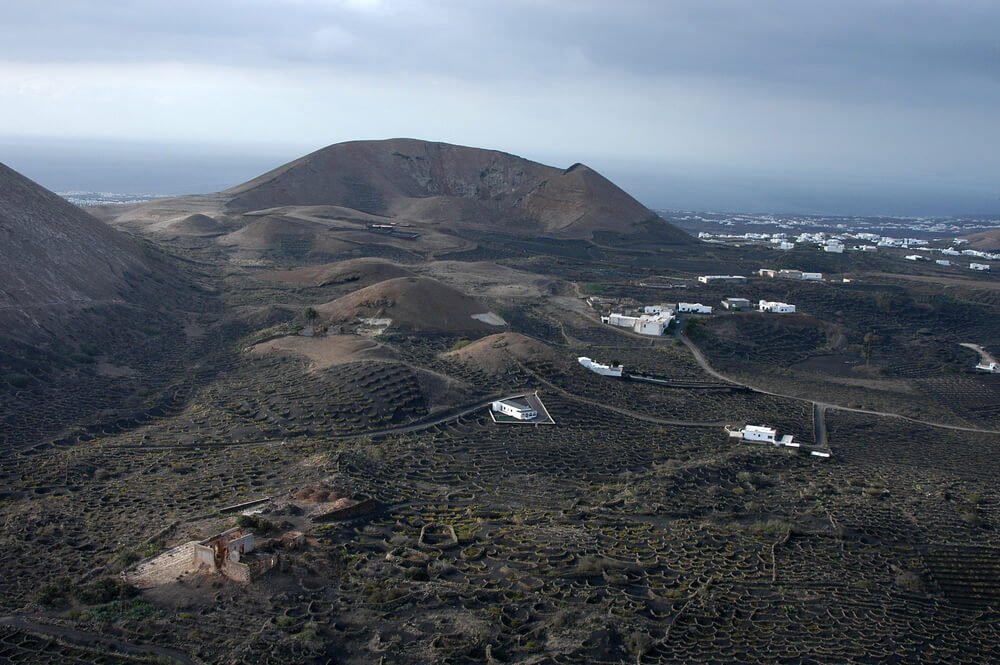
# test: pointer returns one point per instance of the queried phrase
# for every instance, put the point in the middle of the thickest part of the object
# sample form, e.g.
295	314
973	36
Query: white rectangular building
694	307
709	279
603	370
515	408
812	276
979	266
759	433
776	307
654	325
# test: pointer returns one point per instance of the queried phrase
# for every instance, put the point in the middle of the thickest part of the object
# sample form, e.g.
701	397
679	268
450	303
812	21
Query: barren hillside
421	181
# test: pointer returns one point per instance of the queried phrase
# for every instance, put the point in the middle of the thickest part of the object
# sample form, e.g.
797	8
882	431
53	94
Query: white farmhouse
812	276
763	434
775	307
979	266
654	325
603	370
942	262
760	433
515	408
991	367
710	279
834	246
694	307
644	324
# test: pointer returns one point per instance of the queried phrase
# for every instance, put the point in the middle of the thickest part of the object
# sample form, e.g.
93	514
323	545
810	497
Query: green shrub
256	523
105	590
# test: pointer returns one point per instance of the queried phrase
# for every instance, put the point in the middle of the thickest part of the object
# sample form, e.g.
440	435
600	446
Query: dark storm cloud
916	50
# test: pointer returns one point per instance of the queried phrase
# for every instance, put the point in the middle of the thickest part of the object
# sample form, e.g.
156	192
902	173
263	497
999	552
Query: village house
694	308
763	434
604	370
713	279
515	408
979	266
655	322
775	307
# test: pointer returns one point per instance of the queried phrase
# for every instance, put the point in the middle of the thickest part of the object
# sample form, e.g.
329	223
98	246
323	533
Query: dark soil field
634	529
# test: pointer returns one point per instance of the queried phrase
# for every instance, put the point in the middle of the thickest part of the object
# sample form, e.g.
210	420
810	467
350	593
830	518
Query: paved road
700	359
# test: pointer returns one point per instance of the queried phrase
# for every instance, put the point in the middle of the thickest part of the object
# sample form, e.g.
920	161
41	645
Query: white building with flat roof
515	408
694	308
759	433
710	279
979	266
775	307
643	324
603	370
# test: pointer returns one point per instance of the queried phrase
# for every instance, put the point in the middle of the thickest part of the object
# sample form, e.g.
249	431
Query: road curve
700	359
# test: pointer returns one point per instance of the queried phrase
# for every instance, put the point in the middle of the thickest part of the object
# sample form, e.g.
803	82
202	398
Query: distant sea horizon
124	169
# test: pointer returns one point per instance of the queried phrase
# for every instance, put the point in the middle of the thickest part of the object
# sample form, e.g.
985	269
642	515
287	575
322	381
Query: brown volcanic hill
357	272
413	303
55	256
424	182
987	241
502	352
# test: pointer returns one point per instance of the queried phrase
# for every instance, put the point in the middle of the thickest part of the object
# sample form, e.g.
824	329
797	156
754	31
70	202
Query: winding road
704	364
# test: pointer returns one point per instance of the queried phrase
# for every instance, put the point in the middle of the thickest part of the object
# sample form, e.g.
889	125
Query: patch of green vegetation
596	289
105	590
461	344
54	593
134	609
256	523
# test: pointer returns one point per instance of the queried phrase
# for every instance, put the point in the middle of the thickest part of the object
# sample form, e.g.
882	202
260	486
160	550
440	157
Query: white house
992	367
694	307
979	266
867	248
942	262
652	309
812	276
785	246
763	434
775	307
708	279
759	433
515	408
603	370
622	320
834	246
644	324
653	325
913	257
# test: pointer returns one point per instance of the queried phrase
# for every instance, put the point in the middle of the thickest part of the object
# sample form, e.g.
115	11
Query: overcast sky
678	100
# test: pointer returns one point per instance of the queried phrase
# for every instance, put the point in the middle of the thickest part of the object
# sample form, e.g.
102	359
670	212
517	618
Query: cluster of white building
653	319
